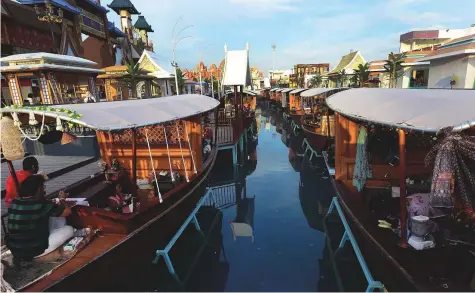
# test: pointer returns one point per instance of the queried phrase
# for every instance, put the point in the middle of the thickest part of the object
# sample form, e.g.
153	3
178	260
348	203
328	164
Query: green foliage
316	81
361	74
341	77
394	67
133	72
181	79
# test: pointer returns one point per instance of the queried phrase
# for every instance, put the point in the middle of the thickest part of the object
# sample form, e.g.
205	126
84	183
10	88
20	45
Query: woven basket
12	146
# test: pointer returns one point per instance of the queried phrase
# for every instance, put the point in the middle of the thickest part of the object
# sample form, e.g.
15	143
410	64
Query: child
118	201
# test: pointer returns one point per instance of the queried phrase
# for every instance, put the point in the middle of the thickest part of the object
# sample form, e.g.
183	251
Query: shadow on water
264	231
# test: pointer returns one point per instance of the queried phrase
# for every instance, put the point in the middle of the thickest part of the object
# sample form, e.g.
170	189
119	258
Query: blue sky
304	31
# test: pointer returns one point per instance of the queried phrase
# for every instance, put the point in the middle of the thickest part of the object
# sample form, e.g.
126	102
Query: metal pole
402	186
212	88
201	84
176	74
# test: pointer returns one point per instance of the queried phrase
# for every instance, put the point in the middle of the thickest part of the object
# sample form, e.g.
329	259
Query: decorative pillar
45	90
15	92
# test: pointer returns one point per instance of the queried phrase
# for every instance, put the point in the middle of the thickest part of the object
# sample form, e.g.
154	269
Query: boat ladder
348	235
191	218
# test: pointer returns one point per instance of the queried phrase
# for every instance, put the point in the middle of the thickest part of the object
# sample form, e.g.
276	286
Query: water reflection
264	228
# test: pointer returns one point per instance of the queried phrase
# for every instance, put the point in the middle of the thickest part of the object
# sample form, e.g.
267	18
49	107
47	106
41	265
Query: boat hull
318	141
297	117
399	269
118	267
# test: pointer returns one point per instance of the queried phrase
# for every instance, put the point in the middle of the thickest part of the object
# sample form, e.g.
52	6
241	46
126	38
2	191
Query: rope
189	146
168	151
41	129
153	167
181	150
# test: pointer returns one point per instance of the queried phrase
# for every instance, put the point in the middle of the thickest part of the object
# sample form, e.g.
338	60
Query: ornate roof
142	24
63	4
113	29
118	5
346	62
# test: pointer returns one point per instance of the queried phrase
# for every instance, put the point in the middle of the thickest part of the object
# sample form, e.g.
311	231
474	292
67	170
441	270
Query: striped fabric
28	225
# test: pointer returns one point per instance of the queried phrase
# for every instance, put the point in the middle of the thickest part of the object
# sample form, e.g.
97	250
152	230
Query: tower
144	28
125	9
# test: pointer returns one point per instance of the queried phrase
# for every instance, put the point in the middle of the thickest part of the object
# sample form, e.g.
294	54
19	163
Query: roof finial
247	46
225	48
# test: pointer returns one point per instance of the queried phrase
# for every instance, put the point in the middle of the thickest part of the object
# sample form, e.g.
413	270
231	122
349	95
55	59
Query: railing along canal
348	235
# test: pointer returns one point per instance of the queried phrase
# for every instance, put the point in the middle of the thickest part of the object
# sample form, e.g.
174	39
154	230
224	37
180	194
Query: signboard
432	34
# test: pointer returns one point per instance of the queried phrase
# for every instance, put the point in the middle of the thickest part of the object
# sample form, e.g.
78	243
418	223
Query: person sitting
89	98
30	167
29	234
119	201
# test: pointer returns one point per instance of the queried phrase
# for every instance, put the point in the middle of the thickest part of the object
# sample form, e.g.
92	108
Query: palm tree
181	79
341	77
394	67
133	72
361	74
316	80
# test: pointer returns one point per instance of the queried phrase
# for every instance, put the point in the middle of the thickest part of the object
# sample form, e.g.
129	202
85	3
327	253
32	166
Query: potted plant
453	80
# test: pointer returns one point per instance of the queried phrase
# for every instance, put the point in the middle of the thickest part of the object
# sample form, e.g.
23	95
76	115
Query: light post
273	62
175	41
48	15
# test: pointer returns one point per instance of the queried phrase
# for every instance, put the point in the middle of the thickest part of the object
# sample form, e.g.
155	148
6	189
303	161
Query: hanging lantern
12	146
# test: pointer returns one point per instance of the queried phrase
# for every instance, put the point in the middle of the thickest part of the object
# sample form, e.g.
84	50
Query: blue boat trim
192	217
348	235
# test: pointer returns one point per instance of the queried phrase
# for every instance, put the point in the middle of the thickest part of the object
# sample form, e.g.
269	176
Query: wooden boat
127	241
285	98
319	123
295	105
410	131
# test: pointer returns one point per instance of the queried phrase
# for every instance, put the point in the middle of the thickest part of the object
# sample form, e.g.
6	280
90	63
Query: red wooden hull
117	267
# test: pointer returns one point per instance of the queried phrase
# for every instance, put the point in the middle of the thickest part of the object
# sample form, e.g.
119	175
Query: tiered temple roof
118	5
142	24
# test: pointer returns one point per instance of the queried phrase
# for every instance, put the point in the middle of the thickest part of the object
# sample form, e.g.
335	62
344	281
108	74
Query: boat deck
98	246
406	269
73	169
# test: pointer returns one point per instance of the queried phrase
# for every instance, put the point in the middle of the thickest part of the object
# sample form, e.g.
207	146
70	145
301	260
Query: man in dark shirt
28	219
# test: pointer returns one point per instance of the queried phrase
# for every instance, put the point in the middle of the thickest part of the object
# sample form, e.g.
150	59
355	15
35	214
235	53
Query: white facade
463	67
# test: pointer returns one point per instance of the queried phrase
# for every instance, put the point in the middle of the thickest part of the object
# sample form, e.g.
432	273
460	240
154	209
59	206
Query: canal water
264	230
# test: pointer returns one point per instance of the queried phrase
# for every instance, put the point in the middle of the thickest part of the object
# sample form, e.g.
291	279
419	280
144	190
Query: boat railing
191	218
348	235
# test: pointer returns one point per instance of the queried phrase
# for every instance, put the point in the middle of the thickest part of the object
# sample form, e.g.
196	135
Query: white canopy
315	92
49	58
420	109
130	113
273	90
287	90
279	90
296	91
236	69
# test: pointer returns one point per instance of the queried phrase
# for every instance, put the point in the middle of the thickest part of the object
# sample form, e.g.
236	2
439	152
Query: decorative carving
156	135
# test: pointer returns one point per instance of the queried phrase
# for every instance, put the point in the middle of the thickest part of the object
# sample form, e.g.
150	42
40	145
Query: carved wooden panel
156	134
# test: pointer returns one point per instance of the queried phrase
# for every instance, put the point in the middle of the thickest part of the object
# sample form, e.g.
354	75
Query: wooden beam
402	186
13	174
25	74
